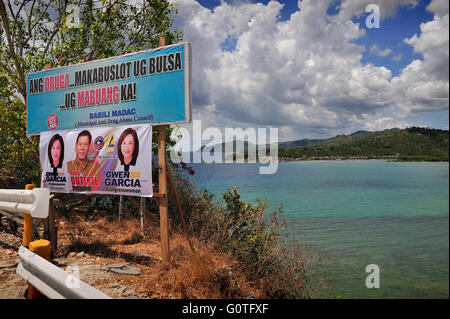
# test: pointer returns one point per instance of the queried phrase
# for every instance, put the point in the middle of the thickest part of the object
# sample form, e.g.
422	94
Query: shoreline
245	161
363	159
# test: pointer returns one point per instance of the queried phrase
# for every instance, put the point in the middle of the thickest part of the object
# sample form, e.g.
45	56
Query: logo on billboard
99	142
52	121
111	144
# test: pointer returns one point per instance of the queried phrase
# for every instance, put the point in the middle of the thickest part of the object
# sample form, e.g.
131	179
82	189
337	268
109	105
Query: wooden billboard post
163	203
120	206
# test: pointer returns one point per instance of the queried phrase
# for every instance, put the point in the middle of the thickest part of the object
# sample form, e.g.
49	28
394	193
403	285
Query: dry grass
203	274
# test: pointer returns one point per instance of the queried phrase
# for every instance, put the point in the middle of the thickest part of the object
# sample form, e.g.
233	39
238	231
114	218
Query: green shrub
253	238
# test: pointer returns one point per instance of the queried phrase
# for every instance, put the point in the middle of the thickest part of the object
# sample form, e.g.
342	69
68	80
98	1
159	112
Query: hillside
236	147
408	144
299	143
339	139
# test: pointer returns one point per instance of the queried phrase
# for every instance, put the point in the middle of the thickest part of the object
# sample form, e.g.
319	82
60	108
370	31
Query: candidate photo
128	148
82	164
56	152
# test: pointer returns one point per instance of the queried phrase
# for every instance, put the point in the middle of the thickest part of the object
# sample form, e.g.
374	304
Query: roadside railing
34	266
19	201
22	206
52	281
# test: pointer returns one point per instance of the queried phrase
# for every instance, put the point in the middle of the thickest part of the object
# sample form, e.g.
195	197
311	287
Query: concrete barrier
34	202
52	281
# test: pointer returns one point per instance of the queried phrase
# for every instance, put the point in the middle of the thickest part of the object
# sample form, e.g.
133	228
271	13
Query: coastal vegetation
253	238
410	144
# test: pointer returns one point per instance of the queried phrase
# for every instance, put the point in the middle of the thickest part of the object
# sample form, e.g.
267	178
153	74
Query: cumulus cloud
374	49
423	85
397	58
305	75
438	7
388	8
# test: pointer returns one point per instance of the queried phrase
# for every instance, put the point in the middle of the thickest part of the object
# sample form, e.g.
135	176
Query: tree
35	33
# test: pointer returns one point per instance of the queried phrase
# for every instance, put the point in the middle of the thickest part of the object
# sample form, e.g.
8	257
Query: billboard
148	87
115	161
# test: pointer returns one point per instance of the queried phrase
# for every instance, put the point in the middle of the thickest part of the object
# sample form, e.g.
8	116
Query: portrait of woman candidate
56	152
128	148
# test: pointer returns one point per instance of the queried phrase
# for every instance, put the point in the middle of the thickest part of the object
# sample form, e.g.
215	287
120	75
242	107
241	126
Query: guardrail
34	202
52	281
20	206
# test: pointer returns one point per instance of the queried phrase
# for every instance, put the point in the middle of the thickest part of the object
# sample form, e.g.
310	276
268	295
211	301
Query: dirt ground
11	285
92	242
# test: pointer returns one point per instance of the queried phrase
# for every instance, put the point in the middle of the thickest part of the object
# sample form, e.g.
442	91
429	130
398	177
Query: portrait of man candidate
82	165
128	148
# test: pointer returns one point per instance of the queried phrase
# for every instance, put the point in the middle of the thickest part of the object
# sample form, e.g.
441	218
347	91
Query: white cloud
377	51
423	85
397	58
356	8
381	123
305	75
439	7
433	36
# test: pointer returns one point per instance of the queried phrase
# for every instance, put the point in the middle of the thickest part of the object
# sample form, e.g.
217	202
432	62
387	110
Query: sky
314	68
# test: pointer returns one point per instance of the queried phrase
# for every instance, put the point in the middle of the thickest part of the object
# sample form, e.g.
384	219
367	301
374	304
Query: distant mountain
413	143
236	147
298	143
337	140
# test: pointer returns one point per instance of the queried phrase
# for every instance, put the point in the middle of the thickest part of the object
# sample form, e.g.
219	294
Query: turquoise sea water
394	215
